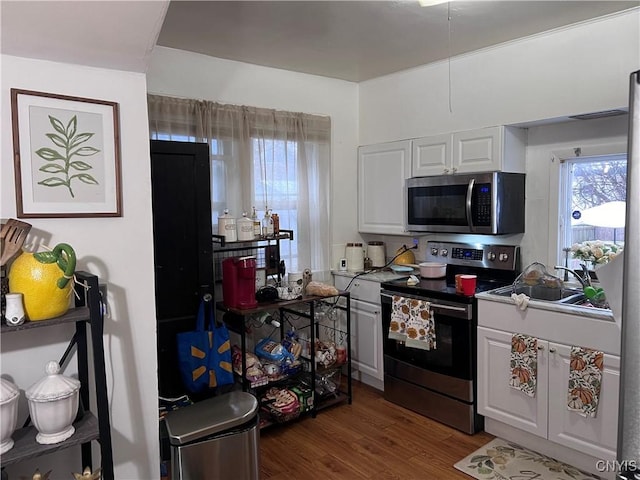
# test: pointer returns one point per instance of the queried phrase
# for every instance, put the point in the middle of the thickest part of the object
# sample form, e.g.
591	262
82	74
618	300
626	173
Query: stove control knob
504	257
491	256
444	252
434	252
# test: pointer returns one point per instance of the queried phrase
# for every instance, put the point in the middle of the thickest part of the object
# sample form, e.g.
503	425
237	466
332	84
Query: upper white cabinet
431	155
382	170
483	150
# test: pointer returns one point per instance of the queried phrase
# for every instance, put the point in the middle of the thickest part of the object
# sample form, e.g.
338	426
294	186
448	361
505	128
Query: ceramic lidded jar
9	395
53	405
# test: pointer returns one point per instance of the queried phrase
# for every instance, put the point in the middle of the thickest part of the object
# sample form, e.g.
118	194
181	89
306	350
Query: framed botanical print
66	156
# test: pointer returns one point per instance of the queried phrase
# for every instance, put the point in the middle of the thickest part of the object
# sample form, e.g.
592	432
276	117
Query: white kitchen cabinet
382	170
490	149
431	155
366	329
546	414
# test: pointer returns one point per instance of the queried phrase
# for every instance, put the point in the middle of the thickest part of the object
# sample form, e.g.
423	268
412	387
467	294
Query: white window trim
556	220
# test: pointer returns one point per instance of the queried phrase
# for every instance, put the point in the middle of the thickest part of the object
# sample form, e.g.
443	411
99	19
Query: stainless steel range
441	383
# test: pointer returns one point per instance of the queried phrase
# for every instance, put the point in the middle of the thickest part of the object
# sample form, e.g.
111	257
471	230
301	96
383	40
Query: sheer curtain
261	157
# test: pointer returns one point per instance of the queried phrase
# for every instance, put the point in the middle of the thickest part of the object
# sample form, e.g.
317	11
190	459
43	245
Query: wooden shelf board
26	447
78	314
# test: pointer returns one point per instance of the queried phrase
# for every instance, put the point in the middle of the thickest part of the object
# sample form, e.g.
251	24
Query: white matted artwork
66	156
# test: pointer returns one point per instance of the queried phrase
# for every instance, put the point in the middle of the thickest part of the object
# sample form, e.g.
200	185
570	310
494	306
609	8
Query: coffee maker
239	282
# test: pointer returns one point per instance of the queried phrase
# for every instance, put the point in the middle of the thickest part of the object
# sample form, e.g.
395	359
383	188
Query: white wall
579	69
118	250
190	75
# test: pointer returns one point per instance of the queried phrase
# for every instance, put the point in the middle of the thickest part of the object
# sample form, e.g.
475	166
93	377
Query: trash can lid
211	416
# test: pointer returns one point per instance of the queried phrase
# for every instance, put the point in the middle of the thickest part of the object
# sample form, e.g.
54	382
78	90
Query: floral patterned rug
502	460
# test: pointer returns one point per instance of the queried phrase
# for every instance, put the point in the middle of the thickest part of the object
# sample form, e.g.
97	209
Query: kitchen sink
539	292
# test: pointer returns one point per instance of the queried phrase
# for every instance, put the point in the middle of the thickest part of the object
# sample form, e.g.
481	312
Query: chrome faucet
585	280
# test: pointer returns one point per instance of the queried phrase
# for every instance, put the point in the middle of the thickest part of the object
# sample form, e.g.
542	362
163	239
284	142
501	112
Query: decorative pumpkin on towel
44	279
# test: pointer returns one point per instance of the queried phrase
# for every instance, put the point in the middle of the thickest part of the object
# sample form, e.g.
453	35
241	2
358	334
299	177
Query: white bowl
432	269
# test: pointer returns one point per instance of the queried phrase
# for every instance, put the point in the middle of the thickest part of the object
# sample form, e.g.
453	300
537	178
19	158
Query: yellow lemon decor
44	280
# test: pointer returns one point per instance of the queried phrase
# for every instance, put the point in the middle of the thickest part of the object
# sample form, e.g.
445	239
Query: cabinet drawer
365	290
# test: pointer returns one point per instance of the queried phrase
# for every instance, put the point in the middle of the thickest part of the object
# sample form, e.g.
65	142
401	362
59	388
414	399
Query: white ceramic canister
9	395
355	257
53	405
375	251
227	227
245	229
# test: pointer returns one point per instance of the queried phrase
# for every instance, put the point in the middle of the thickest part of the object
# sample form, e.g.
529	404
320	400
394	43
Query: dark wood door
182	242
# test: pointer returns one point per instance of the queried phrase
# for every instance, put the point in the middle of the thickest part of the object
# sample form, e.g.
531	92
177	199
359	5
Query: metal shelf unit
89	427
307	308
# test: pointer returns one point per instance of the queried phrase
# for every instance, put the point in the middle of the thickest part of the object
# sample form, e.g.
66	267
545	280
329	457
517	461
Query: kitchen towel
400	310
524	364
421	332
585	380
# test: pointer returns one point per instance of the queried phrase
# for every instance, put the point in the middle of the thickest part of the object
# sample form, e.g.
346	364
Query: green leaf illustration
85	151
57	125
58	140
52	168
52	182
86	178
72	127
80	165
80	138
49	154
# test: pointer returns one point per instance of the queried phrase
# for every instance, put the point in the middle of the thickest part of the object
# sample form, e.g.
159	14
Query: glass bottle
257	229
267	224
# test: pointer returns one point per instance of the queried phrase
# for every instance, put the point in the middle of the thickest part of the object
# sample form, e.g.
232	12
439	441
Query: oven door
454	355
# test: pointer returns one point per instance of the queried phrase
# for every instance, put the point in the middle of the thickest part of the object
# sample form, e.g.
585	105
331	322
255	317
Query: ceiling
349	40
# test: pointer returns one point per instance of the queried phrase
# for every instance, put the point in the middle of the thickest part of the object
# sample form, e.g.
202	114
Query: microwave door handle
468	205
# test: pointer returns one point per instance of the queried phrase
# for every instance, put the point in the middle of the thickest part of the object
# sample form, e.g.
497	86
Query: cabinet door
496	399
382	170
431	155
595	436
366	338
477	150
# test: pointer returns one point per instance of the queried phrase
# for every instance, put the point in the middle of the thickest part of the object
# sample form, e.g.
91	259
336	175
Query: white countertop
373	276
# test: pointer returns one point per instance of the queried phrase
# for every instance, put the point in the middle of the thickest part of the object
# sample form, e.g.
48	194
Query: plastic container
239	282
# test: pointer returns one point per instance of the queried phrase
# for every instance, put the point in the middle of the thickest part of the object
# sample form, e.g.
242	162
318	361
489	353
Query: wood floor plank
371	438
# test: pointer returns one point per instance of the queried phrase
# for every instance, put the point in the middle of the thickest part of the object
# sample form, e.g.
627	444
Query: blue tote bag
204	355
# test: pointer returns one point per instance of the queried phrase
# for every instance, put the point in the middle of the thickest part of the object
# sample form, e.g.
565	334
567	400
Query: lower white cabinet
366	329
546	414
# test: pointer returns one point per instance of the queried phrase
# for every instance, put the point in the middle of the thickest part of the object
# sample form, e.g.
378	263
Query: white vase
14	309
53	405
9	394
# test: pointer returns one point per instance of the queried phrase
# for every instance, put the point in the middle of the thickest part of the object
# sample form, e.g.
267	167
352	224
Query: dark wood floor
371	438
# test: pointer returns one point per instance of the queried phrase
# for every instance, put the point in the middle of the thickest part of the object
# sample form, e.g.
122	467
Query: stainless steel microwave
484	203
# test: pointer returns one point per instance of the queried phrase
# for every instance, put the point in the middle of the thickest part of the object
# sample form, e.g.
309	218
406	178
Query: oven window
455	346
444	205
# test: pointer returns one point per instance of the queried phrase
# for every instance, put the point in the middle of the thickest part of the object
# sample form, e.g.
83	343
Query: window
261	157
592	201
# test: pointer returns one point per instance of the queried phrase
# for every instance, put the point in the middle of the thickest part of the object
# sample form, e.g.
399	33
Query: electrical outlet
416	242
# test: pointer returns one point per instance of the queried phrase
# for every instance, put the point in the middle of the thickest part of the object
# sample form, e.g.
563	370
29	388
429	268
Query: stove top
494	265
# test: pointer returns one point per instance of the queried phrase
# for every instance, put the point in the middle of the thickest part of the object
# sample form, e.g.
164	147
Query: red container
239	282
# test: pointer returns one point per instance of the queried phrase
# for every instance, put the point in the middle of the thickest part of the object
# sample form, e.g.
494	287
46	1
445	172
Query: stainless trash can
215	439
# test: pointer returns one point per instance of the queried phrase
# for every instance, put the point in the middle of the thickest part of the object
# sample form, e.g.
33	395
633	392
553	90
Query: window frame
557	215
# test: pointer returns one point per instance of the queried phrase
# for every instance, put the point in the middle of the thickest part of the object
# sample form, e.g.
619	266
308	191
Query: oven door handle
435	305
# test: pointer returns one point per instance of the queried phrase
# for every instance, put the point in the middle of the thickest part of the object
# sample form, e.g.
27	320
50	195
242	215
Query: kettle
404	256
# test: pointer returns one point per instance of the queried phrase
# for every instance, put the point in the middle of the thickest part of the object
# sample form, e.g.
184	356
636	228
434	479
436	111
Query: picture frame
66	154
